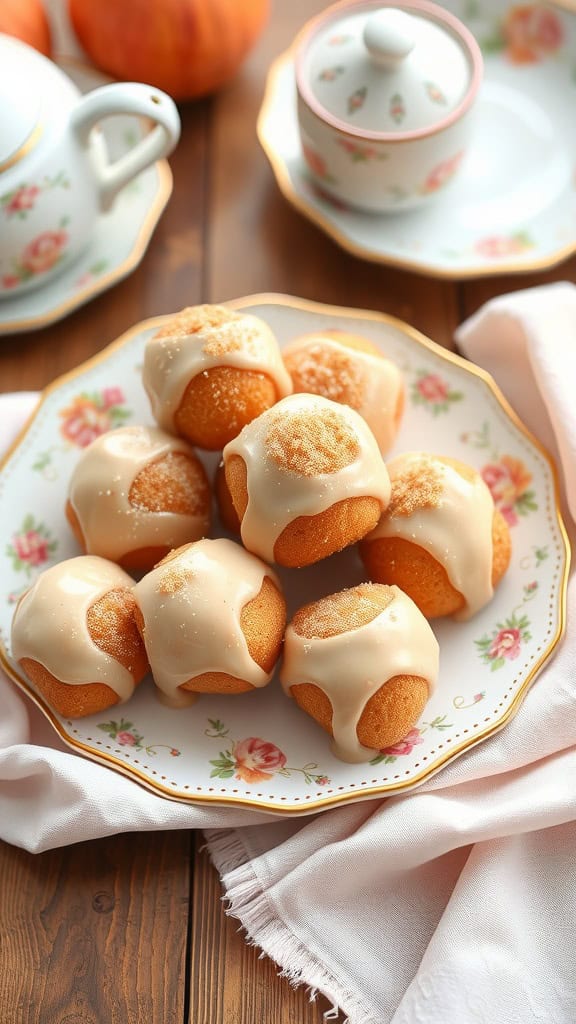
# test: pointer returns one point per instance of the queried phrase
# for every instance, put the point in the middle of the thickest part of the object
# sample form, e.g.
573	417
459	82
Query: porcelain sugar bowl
385	100
55	176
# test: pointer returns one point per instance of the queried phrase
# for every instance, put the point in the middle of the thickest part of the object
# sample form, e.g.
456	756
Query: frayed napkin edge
248	903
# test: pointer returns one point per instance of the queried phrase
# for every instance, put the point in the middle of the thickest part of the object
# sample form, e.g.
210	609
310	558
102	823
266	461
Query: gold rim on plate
285	808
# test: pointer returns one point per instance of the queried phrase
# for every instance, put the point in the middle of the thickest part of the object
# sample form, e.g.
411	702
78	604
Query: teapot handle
127	98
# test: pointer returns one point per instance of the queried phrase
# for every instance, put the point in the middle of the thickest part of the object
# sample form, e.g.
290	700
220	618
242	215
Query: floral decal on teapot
21	200
38	257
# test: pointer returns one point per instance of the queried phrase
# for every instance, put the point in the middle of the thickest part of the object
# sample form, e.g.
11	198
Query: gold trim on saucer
274	806
284	182
25	148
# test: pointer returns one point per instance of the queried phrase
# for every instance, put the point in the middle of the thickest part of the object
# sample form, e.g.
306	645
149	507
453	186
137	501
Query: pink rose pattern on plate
505	642
91	414
253	760
87	416
433	392
509	483
31	547
405	746
126	735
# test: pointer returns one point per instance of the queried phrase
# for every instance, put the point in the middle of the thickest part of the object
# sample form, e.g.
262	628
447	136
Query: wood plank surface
95	933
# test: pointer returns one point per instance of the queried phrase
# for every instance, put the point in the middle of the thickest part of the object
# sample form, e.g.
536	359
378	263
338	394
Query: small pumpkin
188	48
26	19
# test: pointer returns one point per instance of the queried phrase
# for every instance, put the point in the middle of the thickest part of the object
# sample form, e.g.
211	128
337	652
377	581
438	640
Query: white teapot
55	176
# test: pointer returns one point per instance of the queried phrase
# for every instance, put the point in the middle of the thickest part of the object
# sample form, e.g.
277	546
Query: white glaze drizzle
50	626
380	384
276	496
195	628
457	532
352	666
170	363
99	494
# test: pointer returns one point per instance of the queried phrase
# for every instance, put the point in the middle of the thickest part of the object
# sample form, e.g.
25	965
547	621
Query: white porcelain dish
259	749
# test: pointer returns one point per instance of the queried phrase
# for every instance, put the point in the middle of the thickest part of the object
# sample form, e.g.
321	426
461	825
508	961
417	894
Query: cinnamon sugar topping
323	370
419	485
195	319
312	444
342	612
174	579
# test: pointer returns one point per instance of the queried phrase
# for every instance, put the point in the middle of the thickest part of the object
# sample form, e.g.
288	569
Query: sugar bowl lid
381	69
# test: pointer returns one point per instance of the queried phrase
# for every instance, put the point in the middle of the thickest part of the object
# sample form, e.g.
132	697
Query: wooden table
130	929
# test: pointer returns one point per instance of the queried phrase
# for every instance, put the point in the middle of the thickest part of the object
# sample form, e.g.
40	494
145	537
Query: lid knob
389	36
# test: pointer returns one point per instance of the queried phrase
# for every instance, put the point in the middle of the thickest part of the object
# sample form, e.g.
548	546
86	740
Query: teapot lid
379	69
19	102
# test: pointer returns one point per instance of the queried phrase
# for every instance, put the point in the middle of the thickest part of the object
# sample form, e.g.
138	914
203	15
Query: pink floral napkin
454	903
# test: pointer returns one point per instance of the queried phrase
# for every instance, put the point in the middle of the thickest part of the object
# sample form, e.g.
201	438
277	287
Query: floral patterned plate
120	239
512	206
259	749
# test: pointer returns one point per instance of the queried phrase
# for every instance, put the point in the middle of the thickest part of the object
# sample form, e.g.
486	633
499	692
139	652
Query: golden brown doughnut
306	479
350	369
75	636
361	662
212	617
135	494
440	532
209	371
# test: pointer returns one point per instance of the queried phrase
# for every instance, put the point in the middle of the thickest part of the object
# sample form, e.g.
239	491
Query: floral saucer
512	207
121	236
259	749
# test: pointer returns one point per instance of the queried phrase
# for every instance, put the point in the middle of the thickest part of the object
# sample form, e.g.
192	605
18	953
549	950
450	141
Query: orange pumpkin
188	48
26	19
